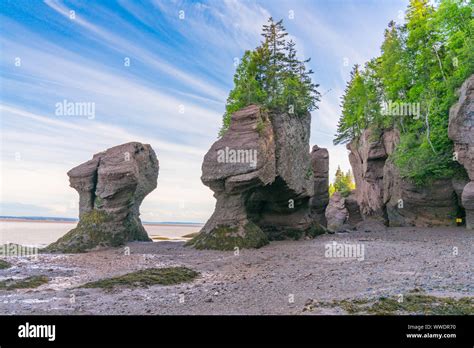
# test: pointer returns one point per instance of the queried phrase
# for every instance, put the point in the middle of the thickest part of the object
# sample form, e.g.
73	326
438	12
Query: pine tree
311	95
274	38
247	88
338	180
291	79
343	182
422	62
299	92
272	76
354	103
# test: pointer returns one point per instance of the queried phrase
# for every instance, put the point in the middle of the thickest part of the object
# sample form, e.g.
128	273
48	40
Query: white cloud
143	105
39	176
128	48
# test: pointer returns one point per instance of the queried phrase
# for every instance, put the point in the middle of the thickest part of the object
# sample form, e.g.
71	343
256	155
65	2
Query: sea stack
461	132
320	199
261	175
111	187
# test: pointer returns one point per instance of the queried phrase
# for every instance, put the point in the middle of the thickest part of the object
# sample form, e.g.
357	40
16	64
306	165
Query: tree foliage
272	76
343	183
422	63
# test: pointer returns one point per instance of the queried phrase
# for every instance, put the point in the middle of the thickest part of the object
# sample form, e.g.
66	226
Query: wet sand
276	279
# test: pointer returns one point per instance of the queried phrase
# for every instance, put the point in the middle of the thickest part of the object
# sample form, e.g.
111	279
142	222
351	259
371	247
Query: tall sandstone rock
337	215
111	187
260	173
384	196
320	199
461	132
407	204
368	154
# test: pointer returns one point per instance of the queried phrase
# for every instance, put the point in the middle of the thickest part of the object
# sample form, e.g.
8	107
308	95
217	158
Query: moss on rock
316	230
25	283
147	277
190	235
89	233
228	238
98	228
293	233
134	230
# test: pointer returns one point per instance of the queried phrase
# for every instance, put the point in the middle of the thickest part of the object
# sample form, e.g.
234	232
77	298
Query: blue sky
171	95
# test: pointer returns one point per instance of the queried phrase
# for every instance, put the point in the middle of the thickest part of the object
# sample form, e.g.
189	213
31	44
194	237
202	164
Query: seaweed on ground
146	277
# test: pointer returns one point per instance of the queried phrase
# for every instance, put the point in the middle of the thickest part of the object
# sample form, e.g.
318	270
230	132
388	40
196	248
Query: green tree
274	40
422	62
354	102
248	89
430	31
394	68
273	77
343	183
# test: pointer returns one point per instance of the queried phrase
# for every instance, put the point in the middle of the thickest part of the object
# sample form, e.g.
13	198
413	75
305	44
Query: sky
157	72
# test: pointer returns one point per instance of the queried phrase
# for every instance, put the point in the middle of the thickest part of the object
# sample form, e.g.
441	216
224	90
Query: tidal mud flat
284	277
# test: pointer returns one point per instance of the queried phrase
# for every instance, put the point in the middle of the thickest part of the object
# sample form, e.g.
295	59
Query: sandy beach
280	278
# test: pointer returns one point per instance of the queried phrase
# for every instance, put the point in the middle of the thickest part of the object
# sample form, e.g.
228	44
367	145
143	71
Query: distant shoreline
70	221
39	220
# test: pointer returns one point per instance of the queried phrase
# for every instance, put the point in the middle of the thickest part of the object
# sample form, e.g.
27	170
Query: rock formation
468	204
407	204
368	154
461	132
458	185
262	180
352	206
342	213
320	199
336	213
111	187
384	196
